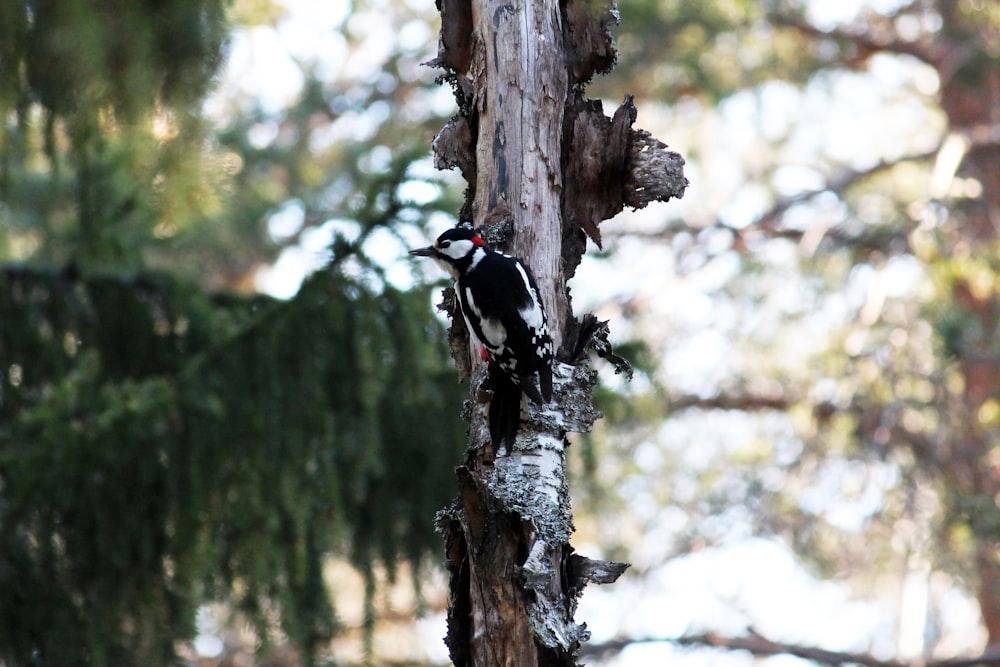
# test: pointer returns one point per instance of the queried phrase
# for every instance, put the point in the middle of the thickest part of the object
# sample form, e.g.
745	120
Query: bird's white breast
493	330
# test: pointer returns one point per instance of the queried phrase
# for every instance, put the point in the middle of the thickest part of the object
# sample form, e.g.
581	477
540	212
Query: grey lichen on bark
544	168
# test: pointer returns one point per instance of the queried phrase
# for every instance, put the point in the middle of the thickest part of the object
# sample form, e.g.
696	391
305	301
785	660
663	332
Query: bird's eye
445	244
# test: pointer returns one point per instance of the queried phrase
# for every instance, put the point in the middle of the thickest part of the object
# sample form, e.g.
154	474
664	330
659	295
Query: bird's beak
429	251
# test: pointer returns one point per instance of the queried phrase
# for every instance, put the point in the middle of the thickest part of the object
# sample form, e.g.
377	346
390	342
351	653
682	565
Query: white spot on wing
532	314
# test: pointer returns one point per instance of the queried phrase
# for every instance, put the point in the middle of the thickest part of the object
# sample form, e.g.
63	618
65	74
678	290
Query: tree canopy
166	438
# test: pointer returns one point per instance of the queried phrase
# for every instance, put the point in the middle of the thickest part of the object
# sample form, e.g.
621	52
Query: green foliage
100	142
77	58
163	444
703	50
161	449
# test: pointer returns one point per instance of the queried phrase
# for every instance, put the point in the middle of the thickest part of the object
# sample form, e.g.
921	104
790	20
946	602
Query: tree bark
970	97
544	168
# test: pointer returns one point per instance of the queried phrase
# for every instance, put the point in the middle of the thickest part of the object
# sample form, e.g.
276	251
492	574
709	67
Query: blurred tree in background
168	439
828	312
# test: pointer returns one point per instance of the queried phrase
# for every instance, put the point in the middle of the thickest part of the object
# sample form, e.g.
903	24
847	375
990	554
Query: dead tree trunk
544	168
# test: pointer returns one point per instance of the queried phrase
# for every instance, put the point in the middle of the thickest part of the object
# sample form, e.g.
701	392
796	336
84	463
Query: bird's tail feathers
505	408
527	383
545	381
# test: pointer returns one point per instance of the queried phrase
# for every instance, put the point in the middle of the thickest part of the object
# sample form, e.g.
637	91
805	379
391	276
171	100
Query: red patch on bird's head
478	240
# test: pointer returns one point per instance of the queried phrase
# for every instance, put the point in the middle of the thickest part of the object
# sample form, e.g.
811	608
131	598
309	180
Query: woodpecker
504	313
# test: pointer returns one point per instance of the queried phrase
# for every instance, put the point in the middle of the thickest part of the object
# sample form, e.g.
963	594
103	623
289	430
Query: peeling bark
454	147
596	148
609	165
455	48
590	46
545	167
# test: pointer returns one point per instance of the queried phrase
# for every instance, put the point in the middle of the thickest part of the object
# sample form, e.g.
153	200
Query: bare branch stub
652	173
582	571
454	146
609	165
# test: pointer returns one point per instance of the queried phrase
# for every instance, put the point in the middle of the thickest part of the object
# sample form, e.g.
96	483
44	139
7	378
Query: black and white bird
504	313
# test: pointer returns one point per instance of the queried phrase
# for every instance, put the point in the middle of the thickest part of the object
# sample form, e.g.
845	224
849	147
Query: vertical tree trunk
544	168
970	98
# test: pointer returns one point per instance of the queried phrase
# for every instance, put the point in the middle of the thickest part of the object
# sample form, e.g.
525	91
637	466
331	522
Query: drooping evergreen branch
185	448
